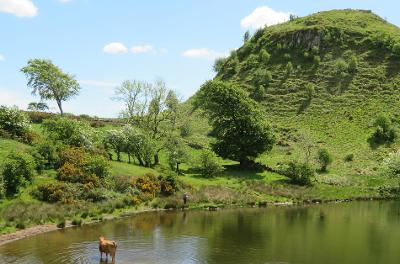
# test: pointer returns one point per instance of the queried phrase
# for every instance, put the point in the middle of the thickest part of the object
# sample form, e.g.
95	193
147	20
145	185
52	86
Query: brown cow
108	247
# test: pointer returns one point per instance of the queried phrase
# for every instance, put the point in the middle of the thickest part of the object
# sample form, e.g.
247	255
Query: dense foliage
237	122
17	170
299	173
324	159
14	121
210	165
70	132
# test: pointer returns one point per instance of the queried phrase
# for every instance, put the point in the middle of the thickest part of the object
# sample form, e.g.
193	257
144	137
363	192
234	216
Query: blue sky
104	42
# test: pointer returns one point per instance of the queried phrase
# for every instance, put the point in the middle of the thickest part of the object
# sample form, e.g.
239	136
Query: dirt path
31	231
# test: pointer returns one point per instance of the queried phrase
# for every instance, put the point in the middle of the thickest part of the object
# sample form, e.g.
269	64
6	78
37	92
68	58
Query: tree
40	106
237	123
139	145
18	170
324	159
219	63
48	80
246	36
114	140
151	107
385	132
177	152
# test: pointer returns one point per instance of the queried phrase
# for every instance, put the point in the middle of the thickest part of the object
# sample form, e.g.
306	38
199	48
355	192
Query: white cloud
114	48
142	49
19	8
2	58
64	1
264	16
203	53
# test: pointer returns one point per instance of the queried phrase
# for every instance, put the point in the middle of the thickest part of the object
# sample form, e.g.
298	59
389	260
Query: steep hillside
322	80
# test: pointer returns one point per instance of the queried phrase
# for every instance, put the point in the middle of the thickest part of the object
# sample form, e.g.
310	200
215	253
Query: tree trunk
244	163
156	159
140	160
129	158
177	167
118	156
60	107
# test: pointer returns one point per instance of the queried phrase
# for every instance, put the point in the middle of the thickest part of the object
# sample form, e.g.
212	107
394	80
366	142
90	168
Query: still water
359	232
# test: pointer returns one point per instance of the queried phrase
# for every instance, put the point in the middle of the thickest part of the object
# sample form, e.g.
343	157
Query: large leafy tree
50	82
237	122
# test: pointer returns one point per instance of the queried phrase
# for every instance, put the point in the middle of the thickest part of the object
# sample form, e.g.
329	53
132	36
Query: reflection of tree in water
241	237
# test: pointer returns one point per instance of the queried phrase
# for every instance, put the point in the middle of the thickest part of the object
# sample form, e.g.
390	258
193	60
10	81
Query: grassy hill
322	80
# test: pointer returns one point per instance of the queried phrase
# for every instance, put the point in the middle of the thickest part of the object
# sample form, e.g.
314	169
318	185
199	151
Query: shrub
341	67
39	117
289	68
218	64
61	223
391	165
80	166
353	64
324	159
299	173
69	131
349	157
265	56
122	183
46	154
168	184
396	49
262	77
98	166
385	132
14	121
310	91
18	169
147	184
20	225
55	192
317	60
209	164
76	221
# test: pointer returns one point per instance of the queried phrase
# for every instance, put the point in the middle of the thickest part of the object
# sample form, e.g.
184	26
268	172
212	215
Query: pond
357	232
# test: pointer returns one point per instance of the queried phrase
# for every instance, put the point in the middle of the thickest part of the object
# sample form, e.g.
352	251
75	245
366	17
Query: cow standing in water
108	247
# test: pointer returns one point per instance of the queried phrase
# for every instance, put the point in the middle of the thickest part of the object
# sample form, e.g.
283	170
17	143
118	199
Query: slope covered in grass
322	80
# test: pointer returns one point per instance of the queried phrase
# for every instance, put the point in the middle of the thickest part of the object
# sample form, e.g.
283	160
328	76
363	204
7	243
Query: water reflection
364	232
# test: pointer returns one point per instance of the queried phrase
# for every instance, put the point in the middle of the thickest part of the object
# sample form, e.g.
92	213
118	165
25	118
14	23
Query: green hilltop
322	80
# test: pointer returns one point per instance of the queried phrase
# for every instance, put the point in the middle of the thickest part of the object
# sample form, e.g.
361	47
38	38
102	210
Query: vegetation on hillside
304	110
